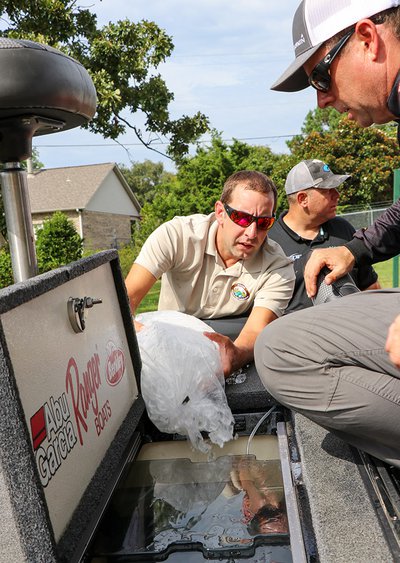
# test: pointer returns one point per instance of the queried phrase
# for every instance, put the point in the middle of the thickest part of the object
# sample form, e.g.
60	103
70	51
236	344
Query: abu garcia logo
52	423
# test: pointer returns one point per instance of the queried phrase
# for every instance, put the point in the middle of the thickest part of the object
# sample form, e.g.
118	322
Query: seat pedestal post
14	188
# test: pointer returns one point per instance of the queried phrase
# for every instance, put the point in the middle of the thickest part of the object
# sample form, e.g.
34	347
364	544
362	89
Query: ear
219	212
367	35
302	198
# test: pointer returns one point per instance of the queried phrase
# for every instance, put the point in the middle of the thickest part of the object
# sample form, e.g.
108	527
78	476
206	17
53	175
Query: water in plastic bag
182	380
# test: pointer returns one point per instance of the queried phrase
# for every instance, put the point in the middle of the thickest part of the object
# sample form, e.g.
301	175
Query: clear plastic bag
182	380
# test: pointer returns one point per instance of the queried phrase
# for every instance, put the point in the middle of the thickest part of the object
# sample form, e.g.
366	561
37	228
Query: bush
6	274
126	255
57	243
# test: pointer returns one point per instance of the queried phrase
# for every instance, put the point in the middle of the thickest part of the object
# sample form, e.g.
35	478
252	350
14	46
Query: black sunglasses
320	79
244	219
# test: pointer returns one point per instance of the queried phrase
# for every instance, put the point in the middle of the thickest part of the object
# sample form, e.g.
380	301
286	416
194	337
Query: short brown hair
253	180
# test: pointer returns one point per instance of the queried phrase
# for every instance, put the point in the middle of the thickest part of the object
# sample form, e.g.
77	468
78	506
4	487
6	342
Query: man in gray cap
311	222
338	363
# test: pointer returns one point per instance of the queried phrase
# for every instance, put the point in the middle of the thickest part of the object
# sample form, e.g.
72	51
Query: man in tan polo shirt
220	265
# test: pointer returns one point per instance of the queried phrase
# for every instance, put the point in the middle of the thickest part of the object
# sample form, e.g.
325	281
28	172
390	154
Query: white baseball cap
316	21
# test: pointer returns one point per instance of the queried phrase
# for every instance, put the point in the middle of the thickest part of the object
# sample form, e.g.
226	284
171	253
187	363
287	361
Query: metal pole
396	195
17	209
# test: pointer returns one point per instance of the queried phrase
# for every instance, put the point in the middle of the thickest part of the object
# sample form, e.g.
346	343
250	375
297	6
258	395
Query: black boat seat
42	91
40	80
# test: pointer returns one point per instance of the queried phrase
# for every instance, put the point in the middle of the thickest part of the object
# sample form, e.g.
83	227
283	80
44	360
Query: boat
86	476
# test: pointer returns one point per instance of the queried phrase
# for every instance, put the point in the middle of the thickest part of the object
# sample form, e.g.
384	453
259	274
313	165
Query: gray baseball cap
316	21
312	174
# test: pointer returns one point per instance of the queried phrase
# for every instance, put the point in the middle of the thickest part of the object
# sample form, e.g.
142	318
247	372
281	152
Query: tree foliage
57	243
199	181
321	121
144	178
121	58
368	154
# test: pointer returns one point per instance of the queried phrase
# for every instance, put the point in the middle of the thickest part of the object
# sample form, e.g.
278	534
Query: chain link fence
363	218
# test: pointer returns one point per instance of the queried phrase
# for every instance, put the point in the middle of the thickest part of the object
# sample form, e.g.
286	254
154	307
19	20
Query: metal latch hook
76	311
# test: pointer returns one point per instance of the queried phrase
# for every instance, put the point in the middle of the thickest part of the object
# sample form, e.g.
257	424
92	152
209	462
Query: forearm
244	349
380	241
138	282
244	343
236	354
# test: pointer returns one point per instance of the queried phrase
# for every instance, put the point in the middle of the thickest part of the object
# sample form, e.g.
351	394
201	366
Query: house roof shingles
66	188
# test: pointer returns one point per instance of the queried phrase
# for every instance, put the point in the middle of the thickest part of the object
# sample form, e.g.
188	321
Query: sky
227	54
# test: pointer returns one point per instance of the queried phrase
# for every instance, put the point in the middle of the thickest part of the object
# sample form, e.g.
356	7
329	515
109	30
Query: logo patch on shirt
294	257
240	292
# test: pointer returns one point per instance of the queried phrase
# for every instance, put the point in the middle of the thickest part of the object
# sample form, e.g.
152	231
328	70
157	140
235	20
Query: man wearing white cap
310	222
338	363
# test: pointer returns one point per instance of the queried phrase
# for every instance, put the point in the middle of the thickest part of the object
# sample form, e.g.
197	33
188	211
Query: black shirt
334	232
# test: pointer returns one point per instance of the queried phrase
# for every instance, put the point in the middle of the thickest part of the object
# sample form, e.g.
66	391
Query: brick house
95	197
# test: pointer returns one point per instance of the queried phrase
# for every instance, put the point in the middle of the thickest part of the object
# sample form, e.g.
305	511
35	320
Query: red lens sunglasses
244	220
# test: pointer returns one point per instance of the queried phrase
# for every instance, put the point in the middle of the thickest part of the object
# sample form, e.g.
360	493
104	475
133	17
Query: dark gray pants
329	363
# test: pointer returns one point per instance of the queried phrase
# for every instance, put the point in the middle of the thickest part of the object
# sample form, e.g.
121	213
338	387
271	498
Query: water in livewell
232	504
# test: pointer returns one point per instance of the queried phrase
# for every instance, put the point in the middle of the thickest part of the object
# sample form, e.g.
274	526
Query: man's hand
338	259
393	342
228	351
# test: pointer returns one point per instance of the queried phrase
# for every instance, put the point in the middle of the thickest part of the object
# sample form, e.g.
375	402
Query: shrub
6	275
57	243
126	255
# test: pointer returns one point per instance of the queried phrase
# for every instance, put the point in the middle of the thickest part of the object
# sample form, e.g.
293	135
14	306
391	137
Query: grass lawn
385	273
150	302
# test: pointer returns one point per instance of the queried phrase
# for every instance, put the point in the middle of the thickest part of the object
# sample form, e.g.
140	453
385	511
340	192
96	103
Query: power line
166	142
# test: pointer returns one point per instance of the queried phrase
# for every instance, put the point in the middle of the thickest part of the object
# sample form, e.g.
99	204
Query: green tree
57	243
121	58
126	256
164	206
321	120
36	163
368	154
199	181
327	120
201	177
144	178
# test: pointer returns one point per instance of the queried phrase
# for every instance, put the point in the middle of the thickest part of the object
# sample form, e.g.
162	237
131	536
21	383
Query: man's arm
236	354
380	241
138	283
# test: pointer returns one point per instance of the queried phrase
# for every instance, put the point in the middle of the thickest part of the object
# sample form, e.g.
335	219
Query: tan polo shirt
195	280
